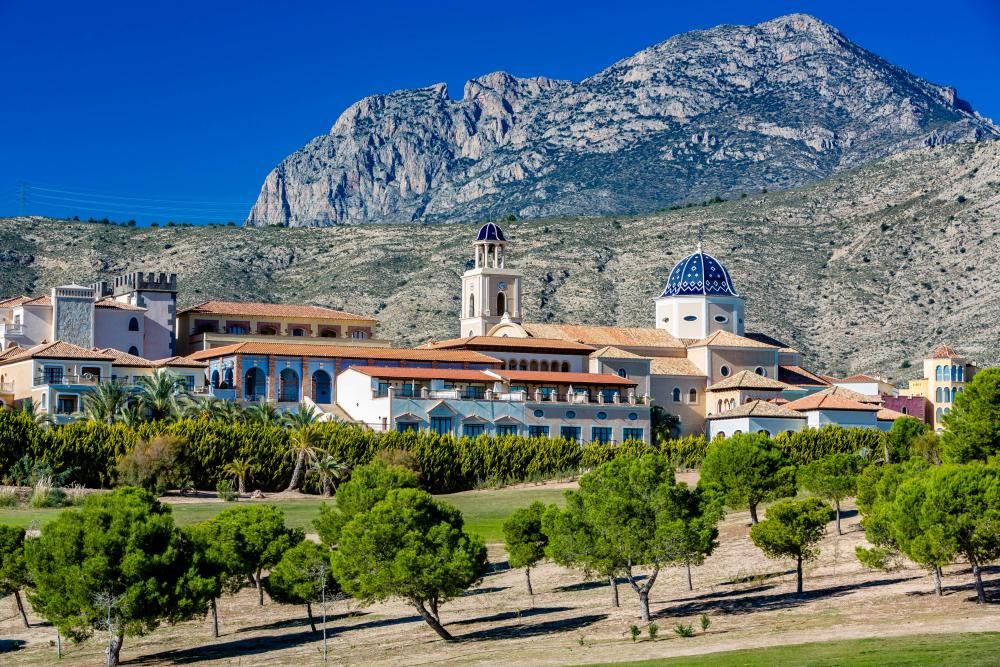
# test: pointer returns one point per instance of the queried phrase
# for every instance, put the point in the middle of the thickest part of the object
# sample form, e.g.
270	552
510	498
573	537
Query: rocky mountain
864	271
706	113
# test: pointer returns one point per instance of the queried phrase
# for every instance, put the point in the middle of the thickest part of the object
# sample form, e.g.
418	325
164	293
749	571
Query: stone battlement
142	281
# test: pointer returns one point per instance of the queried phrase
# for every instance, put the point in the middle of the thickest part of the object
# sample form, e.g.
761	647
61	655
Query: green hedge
91	450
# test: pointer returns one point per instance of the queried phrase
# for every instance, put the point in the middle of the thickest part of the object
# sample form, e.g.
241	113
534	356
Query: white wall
354	395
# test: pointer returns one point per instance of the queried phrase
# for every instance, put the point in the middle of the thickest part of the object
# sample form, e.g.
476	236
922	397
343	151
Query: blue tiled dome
699	274
491	232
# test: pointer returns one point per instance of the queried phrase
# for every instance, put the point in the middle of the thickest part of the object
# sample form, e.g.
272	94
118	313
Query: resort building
292	373
134	313
945	374
220	323
56	376
583	407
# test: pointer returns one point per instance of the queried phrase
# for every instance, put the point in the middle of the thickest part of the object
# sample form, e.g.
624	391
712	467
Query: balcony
67	379
575	398
6	387
11	330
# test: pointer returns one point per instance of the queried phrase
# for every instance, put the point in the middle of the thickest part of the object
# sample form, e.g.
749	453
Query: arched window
133	350
737	432
937	373
534	365
322	387
954	393
512	364
329	333
298	332
961	373
472	305
288	386
677	395
692	395
269	331
524	365
564	367
767	434
215	379
903	410
133	324
954	373
544	367
227	381
720	405
622	373
937	396
501	303
937	414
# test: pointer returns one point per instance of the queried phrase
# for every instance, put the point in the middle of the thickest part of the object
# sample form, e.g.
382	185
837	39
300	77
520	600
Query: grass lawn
968	650
485	511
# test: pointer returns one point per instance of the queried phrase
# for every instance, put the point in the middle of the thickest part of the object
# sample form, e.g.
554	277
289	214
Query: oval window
539	413
633	416
760	370
570	414
602	415
721	318
724	371
690	318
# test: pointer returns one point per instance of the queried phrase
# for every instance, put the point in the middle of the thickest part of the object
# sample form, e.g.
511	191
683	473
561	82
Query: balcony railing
66	378
575	398
11	330
6	387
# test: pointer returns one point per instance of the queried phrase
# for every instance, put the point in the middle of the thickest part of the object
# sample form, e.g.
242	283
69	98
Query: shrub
224	488
634	631
682	630
46	495
652	629
156	465
705	622
19	435
8	497
400	458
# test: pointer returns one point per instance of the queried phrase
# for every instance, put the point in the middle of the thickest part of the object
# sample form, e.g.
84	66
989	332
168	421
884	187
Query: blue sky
177	110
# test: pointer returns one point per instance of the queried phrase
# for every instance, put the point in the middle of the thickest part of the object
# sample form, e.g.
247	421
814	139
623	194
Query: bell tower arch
490	291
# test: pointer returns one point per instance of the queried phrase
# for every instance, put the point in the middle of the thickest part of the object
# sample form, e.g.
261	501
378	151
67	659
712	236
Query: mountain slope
861	271
706	113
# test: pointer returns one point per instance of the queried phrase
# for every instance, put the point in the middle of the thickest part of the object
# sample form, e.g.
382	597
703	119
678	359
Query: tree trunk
20	608
643	592
300	461
753	513
798	574
260	590
114	651
242	485
214	611
433	603
527	581
690	584
431	621
937	581
836	504
309	611
980	591
613	581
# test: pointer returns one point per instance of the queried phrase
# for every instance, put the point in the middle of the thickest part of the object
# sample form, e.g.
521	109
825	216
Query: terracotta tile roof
111	303
345	352
178	362
508	343
12	301
851	395
676	366
125	359
468	375
611	352
38	301
10	352
603	335
59	350
860	377
748	380
255	309
764	338
945	352
796	375
722	338
758	409
823	401
566	378
887	415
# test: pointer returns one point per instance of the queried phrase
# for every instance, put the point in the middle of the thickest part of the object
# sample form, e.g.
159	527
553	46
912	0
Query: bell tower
490	291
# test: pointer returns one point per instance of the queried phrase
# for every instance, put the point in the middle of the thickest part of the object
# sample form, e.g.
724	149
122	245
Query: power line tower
22	198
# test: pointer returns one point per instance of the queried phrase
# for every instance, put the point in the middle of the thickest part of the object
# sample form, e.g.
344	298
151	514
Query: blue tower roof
491	232
699	274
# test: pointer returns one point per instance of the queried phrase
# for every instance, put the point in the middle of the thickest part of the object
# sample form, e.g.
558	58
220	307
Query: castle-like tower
699	298
490	291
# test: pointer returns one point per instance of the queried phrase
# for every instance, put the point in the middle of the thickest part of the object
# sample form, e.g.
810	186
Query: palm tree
33	410
230	412
132	415
331	471
264	412
105	402
161	393
303	444
240	469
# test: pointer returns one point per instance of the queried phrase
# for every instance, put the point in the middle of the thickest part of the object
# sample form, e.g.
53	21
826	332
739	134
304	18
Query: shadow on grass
235	648
591	585
296	622
508	615
535	629
756	577
967	585
7	645
755	603
726	594
483	591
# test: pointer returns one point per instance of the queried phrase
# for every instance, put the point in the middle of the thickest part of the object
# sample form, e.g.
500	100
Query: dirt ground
749	599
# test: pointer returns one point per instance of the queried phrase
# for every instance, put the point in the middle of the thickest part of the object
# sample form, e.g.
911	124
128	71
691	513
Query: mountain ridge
702	114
